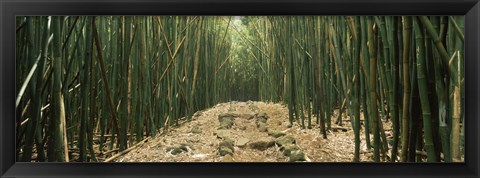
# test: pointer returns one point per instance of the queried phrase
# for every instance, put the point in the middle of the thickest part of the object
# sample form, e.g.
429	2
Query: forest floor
249	132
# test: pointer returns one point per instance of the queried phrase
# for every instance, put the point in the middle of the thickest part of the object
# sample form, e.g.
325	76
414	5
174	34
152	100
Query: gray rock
196	130
184	146
226	124
258	124
253	107
261	144
284	140
241	142
223	133
226	116
225	151
226	120
262	115
197	114
275	133
174	150
261	120
226	143
288	149
297	155
262	128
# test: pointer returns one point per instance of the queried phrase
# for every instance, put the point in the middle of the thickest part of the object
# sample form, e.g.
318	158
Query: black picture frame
11	8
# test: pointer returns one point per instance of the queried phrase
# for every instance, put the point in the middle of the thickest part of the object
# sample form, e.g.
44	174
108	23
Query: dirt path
246	132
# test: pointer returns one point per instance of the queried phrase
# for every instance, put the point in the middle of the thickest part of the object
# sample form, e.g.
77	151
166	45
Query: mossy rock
288	149
275	133
196	130
184	146
225	151
260	121
226	143
296	155
226	116
198	114
174	150
221	119
226	124
262	127
284	140
258	124
252	107
261	144
222	133
262	115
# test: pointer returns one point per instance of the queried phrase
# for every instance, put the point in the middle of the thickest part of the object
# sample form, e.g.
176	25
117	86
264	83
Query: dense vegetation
105	83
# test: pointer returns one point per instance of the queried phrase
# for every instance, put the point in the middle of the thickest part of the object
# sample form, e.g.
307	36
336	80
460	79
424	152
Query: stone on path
225	134
195	130
226	143
184	147
284	140
226	147
227	115
297	155
198	114
225	151
261	122
226	120
262	115
174	150
275	133
288	149
241	142
261	144
262	127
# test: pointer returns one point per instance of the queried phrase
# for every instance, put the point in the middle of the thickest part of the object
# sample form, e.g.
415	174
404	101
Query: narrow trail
247	132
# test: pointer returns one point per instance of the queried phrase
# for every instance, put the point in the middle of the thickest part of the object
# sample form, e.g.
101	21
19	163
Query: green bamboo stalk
372	90
422	88
56	142
395	82
31	125
440	47
105	80
406	88
85	89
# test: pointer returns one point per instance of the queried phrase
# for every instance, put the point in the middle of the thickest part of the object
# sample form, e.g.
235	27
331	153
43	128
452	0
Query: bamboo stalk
105	80
406	87
440	47
422	88
372	90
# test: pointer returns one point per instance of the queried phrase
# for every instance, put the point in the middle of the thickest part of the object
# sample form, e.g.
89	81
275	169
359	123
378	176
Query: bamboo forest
240	89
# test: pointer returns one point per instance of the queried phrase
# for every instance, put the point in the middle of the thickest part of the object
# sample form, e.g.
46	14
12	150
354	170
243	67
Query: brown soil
203	147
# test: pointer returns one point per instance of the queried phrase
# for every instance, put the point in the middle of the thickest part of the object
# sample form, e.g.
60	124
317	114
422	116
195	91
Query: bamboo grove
105	83
112	80
404	70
